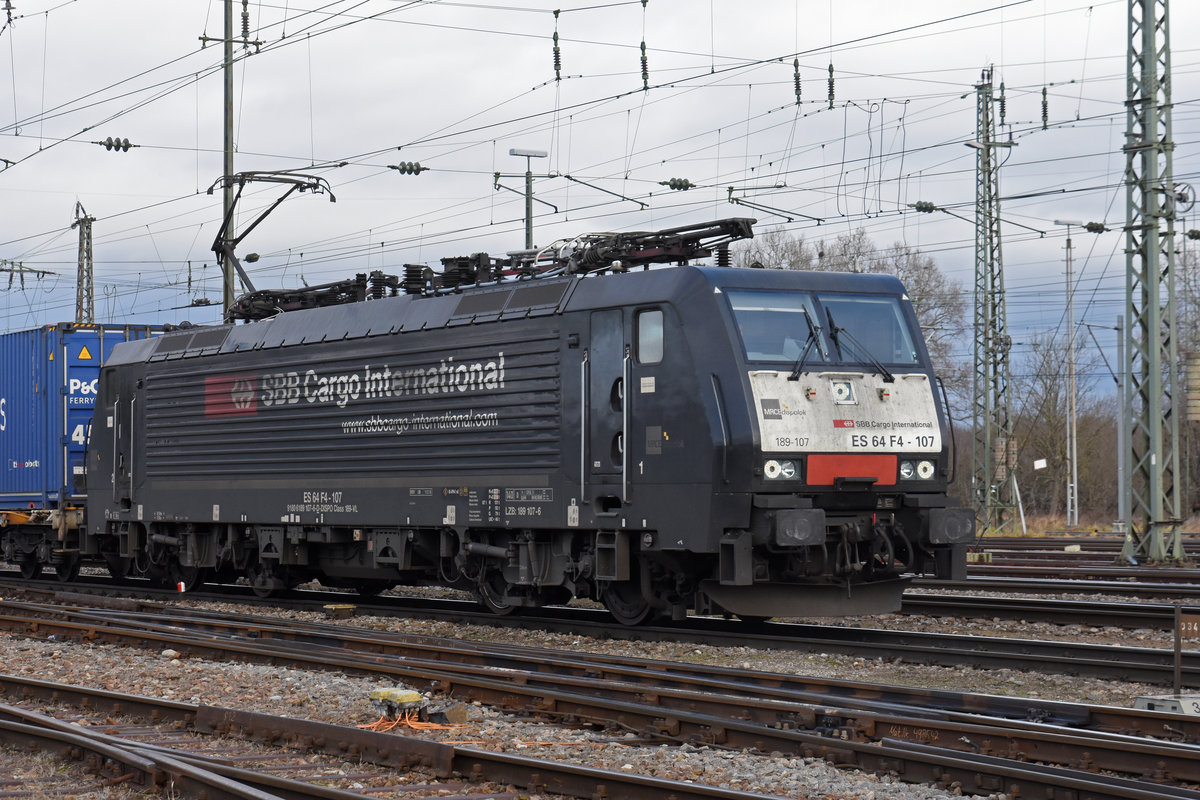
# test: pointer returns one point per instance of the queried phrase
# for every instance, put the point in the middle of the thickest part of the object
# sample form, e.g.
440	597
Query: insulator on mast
557	52
831	85
796	78
116	143
645	61
1045	109
1003	103
678	184
246	21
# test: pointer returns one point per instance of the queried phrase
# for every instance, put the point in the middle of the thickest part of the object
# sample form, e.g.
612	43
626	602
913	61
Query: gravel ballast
341	699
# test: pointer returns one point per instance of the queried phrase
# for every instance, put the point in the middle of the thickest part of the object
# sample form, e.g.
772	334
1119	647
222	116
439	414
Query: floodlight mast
528	155
1072	418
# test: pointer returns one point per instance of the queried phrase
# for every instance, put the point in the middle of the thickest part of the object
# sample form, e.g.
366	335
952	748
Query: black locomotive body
760	442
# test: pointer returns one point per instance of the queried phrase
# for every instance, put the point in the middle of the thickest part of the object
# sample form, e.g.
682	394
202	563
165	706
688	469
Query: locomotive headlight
775	470
916	469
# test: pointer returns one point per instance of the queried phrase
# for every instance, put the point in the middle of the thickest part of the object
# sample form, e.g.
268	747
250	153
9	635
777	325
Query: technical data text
527	502
322	502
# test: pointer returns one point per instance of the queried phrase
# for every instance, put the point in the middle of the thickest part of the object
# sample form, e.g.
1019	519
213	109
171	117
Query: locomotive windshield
875	324
824	328
778	326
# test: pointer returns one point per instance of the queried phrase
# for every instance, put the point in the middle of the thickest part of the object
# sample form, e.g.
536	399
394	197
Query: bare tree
937	300
939	305
775	248
1187	335
1041	429
849	252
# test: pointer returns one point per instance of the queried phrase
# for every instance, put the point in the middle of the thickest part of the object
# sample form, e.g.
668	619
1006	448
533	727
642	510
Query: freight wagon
48	382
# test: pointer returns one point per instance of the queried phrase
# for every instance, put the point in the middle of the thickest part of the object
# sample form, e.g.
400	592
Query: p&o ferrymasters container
47	392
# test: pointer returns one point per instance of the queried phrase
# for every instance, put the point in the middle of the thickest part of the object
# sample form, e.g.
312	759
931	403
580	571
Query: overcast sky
370	83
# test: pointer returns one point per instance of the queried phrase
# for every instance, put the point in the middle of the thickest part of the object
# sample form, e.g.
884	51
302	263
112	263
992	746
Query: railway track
1064	572
1074	550
978	743
1140	664
1155	616
1056	586
219	753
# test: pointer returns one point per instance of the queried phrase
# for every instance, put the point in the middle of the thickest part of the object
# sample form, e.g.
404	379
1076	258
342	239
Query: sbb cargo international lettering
289	388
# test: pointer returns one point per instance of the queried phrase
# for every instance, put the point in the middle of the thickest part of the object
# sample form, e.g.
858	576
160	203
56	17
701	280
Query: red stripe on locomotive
824	468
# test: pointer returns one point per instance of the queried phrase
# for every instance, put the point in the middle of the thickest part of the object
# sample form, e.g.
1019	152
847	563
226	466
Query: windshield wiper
813	336
835	332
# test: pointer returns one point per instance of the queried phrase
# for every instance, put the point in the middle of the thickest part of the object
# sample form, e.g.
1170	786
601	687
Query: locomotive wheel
31	568
372	588
68	569
118	567
624	600
192	578
261	579
490	594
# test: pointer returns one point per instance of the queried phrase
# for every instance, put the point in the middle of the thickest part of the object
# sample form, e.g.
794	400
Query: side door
647	420
605	458
118	418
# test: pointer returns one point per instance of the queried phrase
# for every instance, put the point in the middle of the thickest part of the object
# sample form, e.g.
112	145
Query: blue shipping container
48	380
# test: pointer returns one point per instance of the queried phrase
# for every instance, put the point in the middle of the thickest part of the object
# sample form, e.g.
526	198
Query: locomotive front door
606	412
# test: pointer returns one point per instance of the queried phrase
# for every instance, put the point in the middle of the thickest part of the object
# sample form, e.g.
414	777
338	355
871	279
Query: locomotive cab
788	447
851	451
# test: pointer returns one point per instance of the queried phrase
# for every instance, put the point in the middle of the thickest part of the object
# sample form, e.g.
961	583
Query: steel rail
200	776
1063	572
155	769
709	690
1143	664
911	760
704	676
749	730
1114	662
1108	613
1055	586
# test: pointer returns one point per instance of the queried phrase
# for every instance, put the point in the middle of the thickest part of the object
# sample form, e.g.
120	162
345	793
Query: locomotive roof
517	299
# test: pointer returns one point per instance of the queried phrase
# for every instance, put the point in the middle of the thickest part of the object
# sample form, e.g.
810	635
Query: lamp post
528	154
1072	445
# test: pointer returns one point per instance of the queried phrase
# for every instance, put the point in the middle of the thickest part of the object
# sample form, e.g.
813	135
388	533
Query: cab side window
649	325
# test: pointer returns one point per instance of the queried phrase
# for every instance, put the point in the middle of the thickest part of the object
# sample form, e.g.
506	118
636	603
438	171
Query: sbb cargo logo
230	396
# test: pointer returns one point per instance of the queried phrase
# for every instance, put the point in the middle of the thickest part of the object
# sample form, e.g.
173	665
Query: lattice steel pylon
993	452
1151	359
85	294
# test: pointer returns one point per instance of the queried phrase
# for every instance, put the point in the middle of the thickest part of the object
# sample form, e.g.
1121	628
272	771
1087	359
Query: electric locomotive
561	423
